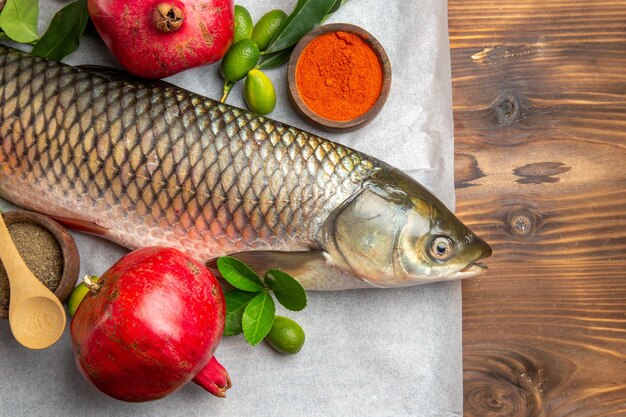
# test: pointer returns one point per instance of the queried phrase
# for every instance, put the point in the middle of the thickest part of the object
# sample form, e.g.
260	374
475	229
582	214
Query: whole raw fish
152	164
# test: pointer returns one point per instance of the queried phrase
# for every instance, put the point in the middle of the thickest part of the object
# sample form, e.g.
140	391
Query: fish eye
441	248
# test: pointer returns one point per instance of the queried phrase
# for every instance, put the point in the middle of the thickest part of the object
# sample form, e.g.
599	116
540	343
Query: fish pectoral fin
311	268
261	261
80	225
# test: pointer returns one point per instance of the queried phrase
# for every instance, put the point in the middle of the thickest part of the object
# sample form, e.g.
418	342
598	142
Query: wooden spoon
36	316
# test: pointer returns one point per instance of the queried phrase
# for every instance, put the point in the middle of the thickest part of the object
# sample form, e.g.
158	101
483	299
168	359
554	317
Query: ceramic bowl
338	125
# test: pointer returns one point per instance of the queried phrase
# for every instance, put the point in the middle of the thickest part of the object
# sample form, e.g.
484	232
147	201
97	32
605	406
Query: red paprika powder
339	76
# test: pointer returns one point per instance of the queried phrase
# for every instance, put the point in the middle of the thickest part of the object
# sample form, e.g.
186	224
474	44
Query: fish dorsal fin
311	268
115	74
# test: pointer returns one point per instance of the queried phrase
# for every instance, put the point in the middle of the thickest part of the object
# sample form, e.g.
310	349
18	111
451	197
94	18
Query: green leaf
275	60
64	32
239	275
333	9
18	20
307	15
258	318
336	6
236	302
287	290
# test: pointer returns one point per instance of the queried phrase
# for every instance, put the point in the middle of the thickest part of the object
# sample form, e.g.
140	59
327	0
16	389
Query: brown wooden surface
540	116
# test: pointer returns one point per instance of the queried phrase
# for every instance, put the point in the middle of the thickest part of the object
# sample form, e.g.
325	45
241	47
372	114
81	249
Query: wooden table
540	117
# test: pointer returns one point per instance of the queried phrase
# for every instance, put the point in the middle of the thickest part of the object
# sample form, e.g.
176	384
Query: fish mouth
472	270
475	267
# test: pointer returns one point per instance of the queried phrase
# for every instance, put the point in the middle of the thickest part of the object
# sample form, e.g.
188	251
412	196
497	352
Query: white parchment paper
368	352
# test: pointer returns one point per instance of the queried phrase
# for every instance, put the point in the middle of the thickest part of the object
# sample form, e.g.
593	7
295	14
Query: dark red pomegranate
149	326
158	38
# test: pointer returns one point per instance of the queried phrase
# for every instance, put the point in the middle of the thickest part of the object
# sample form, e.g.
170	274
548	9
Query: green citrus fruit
259	92
240	58
286	336
77	295
243	24
266	27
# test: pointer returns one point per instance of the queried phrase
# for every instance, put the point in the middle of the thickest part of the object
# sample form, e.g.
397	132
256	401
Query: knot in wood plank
495	397
508	109
523	222
513	381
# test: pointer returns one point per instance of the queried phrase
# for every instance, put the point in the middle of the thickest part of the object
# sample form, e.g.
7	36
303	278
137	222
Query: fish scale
159	165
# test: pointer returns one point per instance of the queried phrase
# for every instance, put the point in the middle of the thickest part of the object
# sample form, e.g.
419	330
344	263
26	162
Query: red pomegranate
158	38
149	326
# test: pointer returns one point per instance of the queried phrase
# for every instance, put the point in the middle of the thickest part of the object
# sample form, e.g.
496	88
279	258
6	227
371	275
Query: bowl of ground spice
339	77
48	250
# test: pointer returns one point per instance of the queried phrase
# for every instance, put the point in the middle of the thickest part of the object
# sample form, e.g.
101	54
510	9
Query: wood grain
540	117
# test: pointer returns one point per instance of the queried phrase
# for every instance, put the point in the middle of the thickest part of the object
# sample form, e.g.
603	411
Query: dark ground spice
40	251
